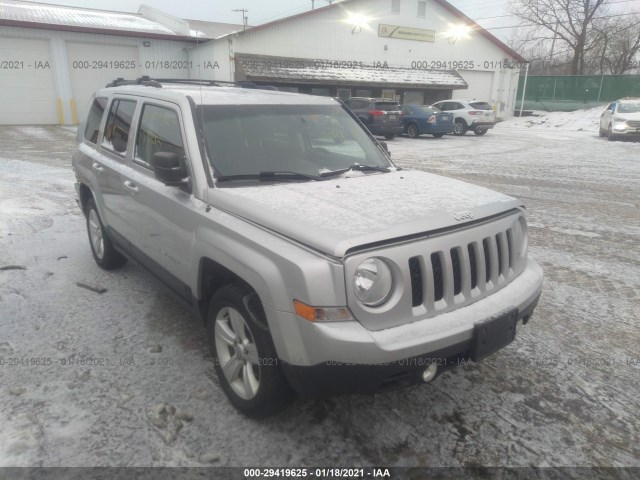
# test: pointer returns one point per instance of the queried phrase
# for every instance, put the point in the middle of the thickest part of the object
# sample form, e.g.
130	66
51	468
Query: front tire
104	253
412	130
390	136
610	136
245	358
460	127
438	135
480	131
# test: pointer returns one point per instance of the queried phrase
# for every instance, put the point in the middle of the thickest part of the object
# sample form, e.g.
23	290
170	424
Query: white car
621	118
469	115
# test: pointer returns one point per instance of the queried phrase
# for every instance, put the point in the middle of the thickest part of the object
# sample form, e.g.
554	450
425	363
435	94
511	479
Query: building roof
264	68
215	29
55	17
443	3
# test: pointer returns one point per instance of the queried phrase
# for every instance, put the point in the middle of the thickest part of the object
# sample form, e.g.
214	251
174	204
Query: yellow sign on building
406	33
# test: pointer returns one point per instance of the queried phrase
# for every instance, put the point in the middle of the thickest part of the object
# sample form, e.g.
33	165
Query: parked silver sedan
621	118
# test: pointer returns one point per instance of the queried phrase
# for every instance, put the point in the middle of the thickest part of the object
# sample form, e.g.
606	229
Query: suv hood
341	213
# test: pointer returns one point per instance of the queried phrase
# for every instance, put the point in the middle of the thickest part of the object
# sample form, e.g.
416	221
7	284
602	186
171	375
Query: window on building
413	98
324	92
288	89
344	93
363	93
422	9
116	131
159	132
395	6
391	94
94	119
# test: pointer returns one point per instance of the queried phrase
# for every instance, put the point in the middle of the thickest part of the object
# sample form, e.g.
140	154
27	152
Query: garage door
480	85
92	66
27	86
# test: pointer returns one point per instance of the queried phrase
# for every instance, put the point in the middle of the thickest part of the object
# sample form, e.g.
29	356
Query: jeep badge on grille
463	215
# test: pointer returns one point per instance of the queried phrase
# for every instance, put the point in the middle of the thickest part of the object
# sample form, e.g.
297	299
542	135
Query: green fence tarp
572	92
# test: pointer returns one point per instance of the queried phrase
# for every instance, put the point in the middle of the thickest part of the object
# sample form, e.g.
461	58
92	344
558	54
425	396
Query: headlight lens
373	282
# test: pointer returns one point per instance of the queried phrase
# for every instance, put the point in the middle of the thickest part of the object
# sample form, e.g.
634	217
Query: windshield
628	107
306	139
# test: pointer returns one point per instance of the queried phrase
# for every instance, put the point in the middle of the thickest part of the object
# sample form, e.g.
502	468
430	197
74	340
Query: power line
538	25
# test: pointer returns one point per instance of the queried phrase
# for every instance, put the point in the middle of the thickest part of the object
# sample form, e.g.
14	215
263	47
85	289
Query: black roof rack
157	83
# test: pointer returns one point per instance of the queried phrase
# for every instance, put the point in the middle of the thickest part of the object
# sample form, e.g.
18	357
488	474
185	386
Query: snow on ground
565	393
587	120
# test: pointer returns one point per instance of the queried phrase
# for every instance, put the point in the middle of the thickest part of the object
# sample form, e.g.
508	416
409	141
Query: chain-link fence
573	92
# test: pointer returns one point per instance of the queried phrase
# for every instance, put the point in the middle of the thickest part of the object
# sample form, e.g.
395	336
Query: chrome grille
465	271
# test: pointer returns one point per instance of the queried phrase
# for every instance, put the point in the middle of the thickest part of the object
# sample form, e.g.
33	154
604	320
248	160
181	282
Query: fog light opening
430	373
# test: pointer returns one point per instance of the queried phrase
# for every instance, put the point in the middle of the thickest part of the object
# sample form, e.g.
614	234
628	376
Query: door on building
27	85
480	85
92	66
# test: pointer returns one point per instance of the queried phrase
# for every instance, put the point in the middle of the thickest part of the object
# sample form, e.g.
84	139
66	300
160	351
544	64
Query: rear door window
118	126
159	131
94	118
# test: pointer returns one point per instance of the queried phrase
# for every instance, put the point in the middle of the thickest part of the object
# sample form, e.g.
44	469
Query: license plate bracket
492	334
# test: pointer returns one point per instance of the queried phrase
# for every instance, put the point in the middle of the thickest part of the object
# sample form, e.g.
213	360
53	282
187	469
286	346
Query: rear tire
438	135
104	253
245	358
390	136
460	127
412	130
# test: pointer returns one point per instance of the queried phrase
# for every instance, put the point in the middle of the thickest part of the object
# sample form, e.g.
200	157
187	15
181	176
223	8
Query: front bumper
366	360
625	129
333	378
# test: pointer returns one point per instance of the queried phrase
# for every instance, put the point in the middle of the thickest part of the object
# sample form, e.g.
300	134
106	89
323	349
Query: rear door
108	162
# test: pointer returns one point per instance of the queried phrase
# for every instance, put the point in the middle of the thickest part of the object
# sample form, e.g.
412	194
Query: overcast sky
261	11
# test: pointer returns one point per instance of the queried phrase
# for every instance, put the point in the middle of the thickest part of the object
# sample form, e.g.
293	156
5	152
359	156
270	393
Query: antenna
244	17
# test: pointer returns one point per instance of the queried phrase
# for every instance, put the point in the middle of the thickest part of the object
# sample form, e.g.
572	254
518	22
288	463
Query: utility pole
313	4
244	17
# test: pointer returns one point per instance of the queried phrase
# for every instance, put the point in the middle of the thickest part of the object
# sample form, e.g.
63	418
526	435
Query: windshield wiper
358	167
266	175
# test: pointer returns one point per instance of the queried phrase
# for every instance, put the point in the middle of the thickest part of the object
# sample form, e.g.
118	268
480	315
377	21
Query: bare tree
575	23
620	46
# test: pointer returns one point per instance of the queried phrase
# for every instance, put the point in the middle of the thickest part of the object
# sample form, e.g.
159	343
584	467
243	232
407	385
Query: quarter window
395	6
94	118
159	132
116	131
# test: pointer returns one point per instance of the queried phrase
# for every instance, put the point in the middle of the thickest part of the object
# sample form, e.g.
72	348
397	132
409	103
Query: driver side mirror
167	168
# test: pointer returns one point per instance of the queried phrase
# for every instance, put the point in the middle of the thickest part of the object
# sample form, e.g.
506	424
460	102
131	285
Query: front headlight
373	282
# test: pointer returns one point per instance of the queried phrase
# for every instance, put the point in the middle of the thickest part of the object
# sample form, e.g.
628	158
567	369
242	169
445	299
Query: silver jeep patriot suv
318	266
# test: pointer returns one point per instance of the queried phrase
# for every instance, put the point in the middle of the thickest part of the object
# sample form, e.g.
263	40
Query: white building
417	51
52	57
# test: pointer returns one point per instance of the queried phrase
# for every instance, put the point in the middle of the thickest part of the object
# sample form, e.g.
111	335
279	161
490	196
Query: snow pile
588	119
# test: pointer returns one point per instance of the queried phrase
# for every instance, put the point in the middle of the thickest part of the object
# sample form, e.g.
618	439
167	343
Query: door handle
98	168
132	187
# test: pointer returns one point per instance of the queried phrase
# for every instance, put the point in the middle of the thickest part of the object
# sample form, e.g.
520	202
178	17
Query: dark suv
380	115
